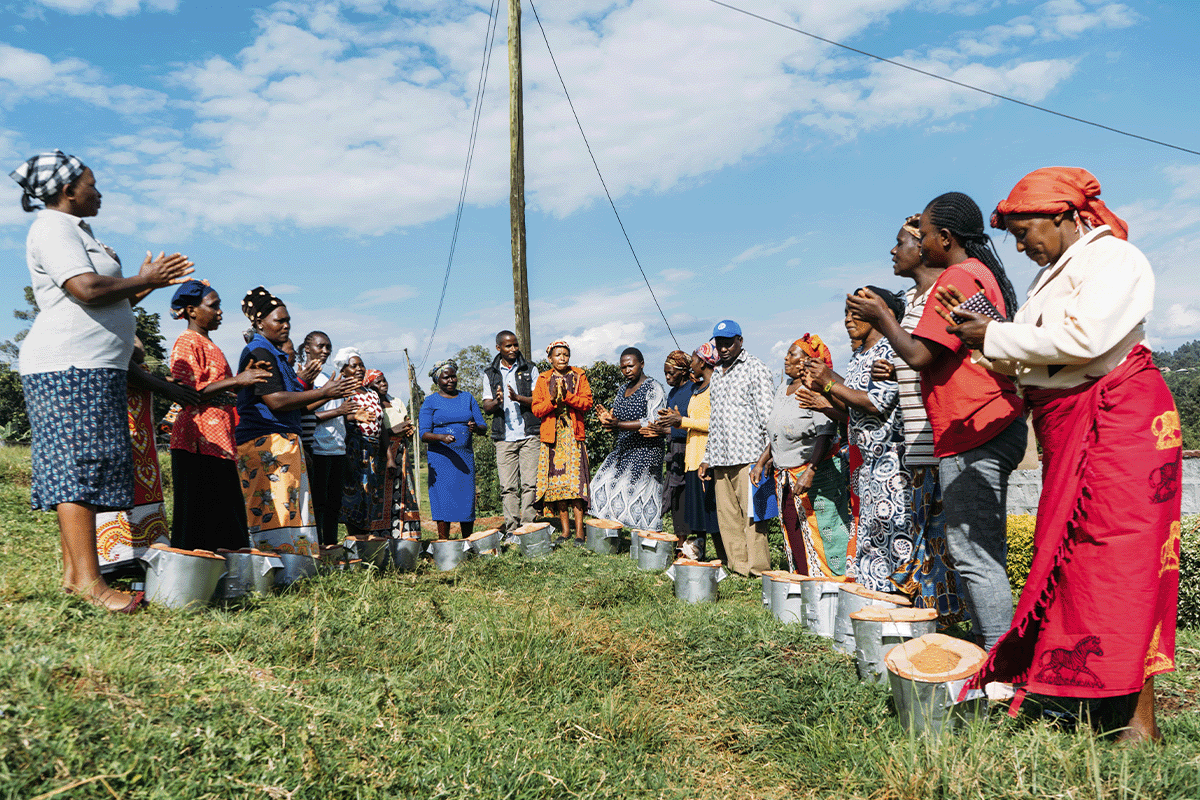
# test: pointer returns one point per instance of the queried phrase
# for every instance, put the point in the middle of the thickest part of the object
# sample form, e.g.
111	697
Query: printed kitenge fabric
79	425
628	486
366	464
816	523
933	582
1111	496
884	538
278	501
206	429
401	508
122	536
563	466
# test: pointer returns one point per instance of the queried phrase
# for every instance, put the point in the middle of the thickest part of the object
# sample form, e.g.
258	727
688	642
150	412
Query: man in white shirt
507	394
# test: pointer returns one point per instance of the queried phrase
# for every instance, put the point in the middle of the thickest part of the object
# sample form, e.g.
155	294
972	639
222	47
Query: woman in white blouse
1097	617
73	364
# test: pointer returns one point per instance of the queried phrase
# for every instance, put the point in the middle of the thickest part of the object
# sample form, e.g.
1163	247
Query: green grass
569	676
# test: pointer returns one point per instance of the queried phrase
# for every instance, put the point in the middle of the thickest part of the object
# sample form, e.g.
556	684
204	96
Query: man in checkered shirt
742	392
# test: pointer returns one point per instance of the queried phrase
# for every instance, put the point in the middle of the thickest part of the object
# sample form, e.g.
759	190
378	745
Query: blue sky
316	147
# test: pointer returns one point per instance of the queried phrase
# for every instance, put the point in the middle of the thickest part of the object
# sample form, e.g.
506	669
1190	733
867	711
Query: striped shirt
918	433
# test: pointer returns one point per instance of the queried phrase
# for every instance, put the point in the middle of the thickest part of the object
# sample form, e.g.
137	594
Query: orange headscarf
1052	190
813	347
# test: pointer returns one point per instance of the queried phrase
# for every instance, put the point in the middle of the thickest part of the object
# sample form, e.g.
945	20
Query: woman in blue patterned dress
628	486
448	419
879	481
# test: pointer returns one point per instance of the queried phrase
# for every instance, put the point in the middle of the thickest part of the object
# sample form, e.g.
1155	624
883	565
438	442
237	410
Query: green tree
14	422
10	349
605	379
1182	374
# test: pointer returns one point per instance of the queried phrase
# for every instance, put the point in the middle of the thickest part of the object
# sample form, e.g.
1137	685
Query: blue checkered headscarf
45	175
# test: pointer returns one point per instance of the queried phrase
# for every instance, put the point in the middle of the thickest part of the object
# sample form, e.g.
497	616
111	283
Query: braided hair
307	341
958	213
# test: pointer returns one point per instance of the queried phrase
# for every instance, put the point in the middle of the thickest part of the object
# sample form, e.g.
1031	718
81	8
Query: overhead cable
929	74
600	175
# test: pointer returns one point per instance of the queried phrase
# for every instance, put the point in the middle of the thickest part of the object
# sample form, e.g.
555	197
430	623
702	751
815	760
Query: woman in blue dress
628	485
448	418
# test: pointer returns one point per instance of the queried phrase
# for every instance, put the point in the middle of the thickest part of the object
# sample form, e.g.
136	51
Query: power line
600	175
951	80
480	89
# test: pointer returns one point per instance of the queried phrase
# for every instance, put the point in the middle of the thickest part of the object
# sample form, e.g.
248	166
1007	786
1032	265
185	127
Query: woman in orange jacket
560	399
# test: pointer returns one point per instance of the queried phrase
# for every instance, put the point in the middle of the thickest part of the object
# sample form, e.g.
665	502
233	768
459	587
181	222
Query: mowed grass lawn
573	676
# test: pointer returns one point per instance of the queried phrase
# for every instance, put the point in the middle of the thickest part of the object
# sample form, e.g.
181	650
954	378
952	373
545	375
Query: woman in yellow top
699	497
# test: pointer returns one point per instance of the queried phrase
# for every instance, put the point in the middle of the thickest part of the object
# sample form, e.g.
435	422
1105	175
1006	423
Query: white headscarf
342	358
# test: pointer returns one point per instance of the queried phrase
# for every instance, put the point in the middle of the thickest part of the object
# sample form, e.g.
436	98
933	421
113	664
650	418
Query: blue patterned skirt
81	453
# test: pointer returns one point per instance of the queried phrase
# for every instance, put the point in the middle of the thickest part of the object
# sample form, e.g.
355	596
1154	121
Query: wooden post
413	415
516	188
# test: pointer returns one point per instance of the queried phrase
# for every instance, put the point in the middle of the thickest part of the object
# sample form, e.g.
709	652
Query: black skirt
700	504
210	511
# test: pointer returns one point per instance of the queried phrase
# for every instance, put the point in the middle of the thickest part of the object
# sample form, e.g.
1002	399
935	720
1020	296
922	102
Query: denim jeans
974	497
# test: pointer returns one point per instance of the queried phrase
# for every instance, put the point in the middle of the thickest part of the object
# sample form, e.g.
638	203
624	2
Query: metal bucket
295	567
535	539
820	605
486	543
603	536
448	552
404	553
371	549
696	582
635	541
185	579
851	598
332	558
929	704
877	629
656	552
247	572
768	585
787	598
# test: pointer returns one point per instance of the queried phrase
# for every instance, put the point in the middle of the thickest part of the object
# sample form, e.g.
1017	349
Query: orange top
576	401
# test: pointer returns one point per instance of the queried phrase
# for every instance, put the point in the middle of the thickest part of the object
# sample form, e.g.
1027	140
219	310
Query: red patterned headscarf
680	359
372	376
813	347
1053	190
707	353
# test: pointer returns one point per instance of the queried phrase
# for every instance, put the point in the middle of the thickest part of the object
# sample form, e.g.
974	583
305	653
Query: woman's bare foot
99	593
1142	726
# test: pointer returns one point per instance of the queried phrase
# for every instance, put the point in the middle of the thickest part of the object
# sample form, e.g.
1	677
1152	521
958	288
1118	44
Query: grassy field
569	676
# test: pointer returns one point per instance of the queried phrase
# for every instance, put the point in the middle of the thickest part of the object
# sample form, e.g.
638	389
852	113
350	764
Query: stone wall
1025	487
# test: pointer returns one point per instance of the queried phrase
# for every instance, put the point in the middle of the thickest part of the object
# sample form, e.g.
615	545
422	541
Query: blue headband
189	294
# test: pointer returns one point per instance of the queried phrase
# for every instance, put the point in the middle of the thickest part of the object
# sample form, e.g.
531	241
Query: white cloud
382	295
757	251
114	8
283	288
25	75
327	119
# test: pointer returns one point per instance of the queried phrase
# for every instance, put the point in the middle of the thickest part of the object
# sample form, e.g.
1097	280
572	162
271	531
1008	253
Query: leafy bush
1189	573
1020	549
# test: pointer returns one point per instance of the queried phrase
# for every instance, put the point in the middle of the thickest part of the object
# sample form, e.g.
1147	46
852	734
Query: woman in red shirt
979	433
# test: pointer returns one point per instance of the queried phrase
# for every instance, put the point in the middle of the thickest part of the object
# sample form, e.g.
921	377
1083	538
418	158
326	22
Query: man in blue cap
742	393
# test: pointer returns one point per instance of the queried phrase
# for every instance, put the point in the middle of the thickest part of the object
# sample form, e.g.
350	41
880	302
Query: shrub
1189	573
1020	549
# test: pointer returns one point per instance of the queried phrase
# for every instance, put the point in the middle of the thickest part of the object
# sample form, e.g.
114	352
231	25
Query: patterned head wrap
557	343
258	303
45	175
342	357
707	353
1053	190
372	376
188	294
680	359
813	347
441	366
913	226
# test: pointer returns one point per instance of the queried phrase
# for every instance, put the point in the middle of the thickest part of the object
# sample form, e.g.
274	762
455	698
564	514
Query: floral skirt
279	506
563	470
79	423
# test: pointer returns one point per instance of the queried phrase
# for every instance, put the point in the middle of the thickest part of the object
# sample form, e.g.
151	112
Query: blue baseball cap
727	328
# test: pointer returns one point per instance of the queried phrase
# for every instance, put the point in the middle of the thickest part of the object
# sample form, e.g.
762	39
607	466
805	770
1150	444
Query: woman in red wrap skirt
1097	616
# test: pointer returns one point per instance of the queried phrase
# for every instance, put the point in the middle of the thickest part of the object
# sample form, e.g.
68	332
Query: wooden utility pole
516	187
413	416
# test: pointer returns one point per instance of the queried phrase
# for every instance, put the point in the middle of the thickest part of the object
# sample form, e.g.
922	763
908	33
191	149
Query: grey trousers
516	468
974	496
